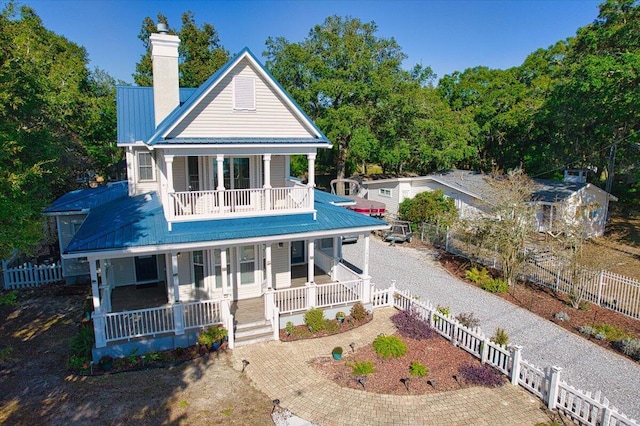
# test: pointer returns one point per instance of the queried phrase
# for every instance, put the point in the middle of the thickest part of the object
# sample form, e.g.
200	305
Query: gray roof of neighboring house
476	185
82	200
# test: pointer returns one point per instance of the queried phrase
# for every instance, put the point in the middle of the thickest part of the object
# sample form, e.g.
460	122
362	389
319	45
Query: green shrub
358	311
430	206
289	328
417	369
362	368
315	320
478	276
500	337
495	285
80	364
81	344
9	299
6	354
386	346
629	346
444	310
468	320
609	332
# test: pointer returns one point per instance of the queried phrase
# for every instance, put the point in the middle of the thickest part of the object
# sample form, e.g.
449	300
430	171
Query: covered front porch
124	315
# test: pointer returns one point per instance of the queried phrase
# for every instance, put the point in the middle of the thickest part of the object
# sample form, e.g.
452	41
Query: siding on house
215	115
391	202
278	171
123	271
281	265
66	224
180	174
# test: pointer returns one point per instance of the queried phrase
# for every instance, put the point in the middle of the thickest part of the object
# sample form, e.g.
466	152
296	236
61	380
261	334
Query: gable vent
244	93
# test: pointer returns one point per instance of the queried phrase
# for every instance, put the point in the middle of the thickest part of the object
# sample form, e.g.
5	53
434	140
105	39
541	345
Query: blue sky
445	35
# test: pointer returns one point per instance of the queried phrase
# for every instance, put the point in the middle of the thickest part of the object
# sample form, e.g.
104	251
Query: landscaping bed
551	305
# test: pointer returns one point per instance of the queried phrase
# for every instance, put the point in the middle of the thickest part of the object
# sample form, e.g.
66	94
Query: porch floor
131	297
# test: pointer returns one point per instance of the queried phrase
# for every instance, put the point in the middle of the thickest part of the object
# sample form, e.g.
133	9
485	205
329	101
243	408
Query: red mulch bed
545	303
437	354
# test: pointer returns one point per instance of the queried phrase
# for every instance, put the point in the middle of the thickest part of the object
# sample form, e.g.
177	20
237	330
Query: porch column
98	314
169	201
366	279
365	268
311	183
267	259
175	278
220	176
224	272
310	264
107	271
266	158
335	258
169	279
95	291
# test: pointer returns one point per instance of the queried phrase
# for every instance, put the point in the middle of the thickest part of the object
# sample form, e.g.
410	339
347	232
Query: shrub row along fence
29	275
607	289
547	384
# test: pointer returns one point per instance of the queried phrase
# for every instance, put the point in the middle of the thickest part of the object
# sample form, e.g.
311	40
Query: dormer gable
241	103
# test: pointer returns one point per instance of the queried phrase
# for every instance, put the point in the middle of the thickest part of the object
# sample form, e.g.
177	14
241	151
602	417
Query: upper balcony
230	203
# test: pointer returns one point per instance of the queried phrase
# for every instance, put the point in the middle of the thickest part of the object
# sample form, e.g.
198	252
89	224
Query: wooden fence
30	275
607	289
547	384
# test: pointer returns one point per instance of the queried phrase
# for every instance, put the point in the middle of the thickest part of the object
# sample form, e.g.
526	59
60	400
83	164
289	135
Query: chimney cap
162	28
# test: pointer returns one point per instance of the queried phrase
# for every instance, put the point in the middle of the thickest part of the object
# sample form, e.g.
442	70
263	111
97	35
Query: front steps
253	332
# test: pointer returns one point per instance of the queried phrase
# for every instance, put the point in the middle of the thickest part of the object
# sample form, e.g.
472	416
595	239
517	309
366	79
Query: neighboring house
556	202
212	229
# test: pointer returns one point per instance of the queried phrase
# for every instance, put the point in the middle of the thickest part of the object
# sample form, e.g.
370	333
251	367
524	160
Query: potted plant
337	353
340	316
212	337
106	363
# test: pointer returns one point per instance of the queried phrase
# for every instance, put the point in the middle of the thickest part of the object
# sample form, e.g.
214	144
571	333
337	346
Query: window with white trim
384	192
244	93
146	171
75	226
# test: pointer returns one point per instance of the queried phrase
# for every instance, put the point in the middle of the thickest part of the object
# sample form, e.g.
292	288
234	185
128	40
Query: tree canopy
56	119
200	52
352	83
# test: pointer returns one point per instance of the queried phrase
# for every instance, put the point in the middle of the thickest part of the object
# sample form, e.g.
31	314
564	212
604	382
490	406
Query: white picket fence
582	407
30	275
607	289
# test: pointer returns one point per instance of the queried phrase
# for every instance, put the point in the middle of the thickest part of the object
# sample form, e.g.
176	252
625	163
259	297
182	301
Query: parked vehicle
400	232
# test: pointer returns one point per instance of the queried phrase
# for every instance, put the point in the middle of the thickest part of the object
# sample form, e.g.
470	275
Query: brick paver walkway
282	371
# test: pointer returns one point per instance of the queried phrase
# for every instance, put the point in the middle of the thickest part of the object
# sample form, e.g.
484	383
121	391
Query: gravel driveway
585	365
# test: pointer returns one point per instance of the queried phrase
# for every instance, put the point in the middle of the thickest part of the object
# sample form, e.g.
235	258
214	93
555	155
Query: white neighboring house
210	228
556	202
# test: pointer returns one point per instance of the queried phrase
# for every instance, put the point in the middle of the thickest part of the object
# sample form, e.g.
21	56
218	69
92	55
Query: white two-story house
212	229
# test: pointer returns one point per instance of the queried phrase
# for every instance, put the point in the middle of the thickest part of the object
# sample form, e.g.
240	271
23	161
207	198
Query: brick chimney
164	55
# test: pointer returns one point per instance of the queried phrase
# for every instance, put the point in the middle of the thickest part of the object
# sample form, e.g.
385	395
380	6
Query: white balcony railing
239	202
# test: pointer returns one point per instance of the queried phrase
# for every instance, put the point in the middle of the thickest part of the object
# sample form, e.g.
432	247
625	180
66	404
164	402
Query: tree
508	224
345	77
596	105
200	53
430	206
46	101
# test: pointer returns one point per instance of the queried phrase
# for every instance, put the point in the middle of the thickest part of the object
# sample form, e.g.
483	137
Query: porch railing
155	321
238	202
290	300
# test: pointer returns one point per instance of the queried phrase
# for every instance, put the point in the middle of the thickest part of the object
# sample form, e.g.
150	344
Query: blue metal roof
177	114
86	199
327	198
136	113
139	221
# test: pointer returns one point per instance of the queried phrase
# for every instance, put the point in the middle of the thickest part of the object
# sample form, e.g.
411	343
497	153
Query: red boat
354	191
